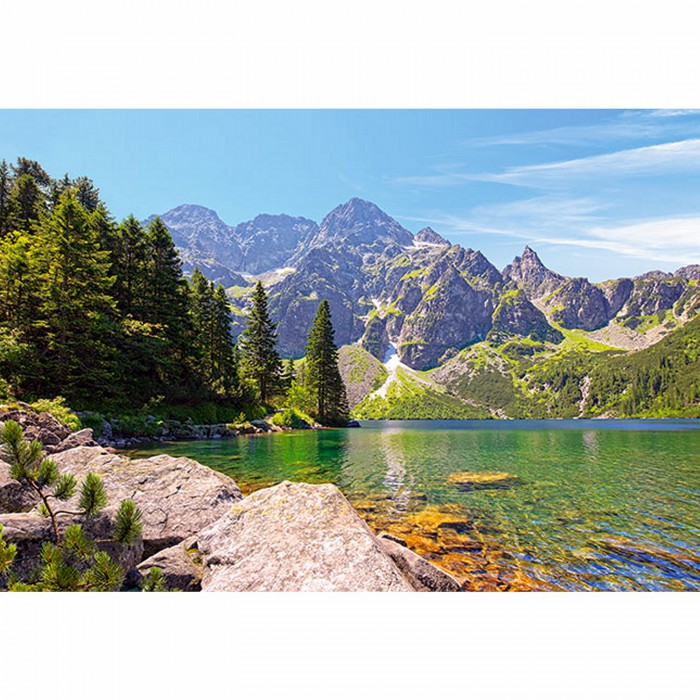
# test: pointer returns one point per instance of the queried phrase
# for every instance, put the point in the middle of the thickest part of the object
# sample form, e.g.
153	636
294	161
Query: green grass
408	398
577	339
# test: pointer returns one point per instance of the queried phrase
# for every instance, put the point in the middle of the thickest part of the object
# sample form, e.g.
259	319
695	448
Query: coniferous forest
99	312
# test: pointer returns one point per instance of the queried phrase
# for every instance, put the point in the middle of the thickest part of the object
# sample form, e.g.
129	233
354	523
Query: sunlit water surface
601	505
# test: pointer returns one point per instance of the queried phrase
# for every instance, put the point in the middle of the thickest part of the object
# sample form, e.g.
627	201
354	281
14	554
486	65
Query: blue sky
599	193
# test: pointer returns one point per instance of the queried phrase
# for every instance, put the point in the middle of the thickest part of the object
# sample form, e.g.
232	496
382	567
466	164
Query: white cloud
675	240
674	157
631	125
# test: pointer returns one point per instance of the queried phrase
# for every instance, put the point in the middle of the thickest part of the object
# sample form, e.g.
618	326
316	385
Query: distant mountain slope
518	342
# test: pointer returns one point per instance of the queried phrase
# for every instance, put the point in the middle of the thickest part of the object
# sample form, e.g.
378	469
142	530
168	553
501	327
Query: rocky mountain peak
361	223
532	275
689	271
269	240
427	235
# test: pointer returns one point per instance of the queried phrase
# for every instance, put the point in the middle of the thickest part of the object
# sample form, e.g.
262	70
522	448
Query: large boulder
295	537
177	496
180	564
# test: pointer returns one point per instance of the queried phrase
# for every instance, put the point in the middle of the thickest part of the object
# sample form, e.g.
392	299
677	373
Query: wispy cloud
658	159
675	240
628	126
673	157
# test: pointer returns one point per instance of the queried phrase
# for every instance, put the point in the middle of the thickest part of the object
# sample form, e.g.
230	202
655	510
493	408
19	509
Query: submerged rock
295	537
471	481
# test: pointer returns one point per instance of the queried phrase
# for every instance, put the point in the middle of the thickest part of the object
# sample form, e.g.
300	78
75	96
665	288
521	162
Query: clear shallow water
600	505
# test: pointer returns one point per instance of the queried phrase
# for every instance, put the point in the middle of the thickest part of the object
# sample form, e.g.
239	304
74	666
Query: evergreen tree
202	312
19	285
165	306
75	307
259	359
25	203
165	292
86	193
5	186
71	562
287	374
128	246
323	375
225	368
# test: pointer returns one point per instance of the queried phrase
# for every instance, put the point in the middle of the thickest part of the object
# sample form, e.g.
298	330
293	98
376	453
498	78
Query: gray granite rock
295	537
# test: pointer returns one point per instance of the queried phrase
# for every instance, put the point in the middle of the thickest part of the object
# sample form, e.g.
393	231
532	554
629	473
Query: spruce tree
259	359
287	374
224	361
323	375
165	292
5	185
165	301
202	313
75	307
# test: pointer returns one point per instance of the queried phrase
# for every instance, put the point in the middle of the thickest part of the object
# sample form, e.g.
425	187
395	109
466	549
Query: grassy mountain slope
524	378
411	397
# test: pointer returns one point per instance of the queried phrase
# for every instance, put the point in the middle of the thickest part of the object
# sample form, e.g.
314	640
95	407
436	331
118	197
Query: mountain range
443	312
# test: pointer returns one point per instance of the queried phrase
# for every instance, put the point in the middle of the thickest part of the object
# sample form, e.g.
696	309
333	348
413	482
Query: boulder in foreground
177	496
295	537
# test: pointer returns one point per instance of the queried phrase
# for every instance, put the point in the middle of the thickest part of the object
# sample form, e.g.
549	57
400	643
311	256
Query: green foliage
8	552
72	561
292	418
322	372
93	497
215	355
26	459
288	374
100	312
302	398
65	487
259	359
153	581
127	523
59	410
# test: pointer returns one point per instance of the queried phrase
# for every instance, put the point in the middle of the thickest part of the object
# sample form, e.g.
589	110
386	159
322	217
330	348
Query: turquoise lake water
595	505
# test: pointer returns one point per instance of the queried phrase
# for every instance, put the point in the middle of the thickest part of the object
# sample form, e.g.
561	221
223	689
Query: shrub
291	418
58	409
71	562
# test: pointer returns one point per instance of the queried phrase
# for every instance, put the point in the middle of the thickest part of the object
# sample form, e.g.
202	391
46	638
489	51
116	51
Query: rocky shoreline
174	431
205	536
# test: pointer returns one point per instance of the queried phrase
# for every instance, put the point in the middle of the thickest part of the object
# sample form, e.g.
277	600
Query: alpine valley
428	329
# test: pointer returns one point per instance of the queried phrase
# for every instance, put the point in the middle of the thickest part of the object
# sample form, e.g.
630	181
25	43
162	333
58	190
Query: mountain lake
575	505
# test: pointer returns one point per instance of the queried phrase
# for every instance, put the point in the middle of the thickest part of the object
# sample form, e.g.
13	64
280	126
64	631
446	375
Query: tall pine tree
259	359
76	308
323	375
